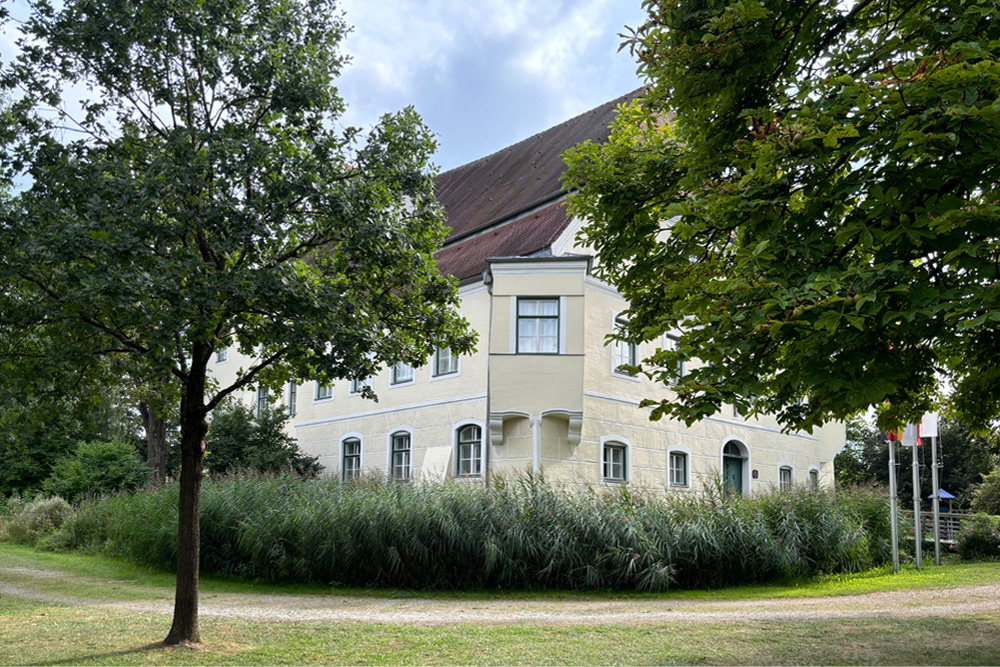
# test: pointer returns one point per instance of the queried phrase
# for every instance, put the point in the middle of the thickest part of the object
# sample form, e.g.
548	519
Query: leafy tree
986	495
200	197
46	409
858	462
97	468
808	192
238	439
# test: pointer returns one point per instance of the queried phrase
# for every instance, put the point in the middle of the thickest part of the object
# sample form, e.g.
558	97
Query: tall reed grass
510	533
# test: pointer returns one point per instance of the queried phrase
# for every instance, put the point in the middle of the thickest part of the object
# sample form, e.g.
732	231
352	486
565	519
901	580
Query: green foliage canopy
808	194
986	497
240	440
201	199
97	468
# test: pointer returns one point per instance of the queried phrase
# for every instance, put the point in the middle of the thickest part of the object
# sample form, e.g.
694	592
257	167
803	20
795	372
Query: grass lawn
54	633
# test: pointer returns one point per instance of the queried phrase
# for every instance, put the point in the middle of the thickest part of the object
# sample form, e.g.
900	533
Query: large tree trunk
156	441
193	430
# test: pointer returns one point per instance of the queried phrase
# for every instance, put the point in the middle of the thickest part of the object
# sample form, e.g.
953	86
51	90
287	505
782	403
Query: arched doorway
733	467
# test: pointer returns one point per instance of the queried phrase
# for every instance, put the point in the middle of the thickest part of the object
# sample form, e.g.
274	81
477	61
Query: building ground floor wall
610	442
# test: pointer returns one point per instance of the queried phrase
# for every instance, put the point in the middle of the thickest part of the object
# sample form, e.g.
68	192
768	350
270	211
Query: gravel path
430	611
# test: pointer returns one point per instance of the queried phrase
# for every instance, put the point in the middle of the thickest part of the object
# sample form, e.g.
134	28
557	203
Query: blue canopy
943	494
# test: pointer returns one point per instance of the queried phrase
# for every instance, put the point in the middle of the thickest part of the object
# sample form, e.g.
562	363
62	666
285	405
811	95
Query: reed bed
509	533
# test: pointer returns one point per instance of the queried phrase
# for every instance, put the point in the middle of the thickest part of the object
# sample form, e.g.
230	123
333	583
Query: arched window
351	468
469	449
400	463
814	480
785	478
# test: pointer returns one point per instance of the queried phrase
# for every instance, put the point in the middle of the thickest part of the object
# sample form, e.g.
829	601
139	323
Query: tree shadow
102	658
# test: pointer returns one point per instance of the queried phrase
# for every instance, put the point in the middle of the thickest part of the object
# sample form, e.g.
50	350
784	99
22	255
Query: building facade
543	392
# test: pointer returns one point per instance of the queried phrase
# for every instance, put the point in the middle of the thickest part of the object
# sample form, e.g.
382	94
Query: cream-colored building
542	391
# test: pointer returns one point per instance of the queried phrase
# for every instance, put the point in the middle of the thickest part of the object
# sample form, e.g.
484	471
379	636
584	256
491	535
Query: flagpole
892	507
918	539
936	499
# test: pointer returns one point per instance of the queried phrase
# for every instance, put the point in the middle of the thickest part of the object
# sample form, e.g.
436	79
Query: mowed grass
85	633
36	634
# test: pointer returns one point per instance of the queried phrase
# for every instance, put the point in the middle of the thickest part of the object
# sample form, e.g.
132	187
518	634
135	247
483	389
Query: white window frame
358	385
813	478
320	391
394	375
784	468
454	360
622	354
686	454
621	444
480	461
222	355
351	437
559	317
389	452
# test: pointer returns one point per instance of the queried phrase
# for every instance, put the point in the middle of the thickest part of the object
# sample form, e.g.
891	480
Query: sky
485	74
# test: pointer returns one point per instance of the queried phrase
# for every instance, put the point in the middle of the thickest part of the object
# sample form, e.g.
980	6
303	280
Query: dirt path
429	611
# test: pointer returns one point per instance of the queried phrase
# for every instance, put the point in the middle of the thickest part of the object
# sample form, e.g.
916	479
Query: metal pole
936	500
893	520
918	538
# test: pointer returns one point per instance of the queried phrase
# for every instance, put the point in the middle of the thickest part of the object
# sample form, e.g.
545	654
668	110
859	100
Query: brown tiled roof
520	177
524	236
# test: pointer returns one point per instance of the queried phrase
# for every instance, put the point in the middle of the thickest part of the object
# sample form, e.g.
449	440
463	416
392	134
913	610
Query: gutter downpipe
487	436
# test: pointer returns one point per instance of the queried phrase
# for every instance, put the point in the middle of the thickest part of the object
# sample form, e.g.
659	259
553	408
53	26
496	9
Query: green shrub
242	439
97	468
26	523
979	537
986	496
519	533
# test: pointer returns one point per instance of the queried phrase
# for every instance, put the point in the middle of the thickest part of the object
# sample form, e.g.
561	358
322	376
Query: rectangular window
814	480
358	385
678	469
324	392
613	463
293	393
671	342
261	402
352	459
402	373
622	353
400	456
470	449
221	355
785	478
445	363
538	326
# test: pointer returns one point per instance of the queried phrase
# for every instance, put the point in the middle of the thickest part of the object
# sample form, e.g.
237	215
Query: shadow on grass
103	658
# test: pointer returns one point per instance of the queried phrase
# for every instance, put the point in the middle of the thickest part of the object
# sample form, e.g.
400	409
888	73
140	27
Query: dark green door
732	474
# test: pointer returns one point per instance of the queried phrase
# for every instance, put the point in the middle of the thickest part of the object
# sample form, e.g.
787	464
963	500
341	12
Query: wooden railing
950	522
